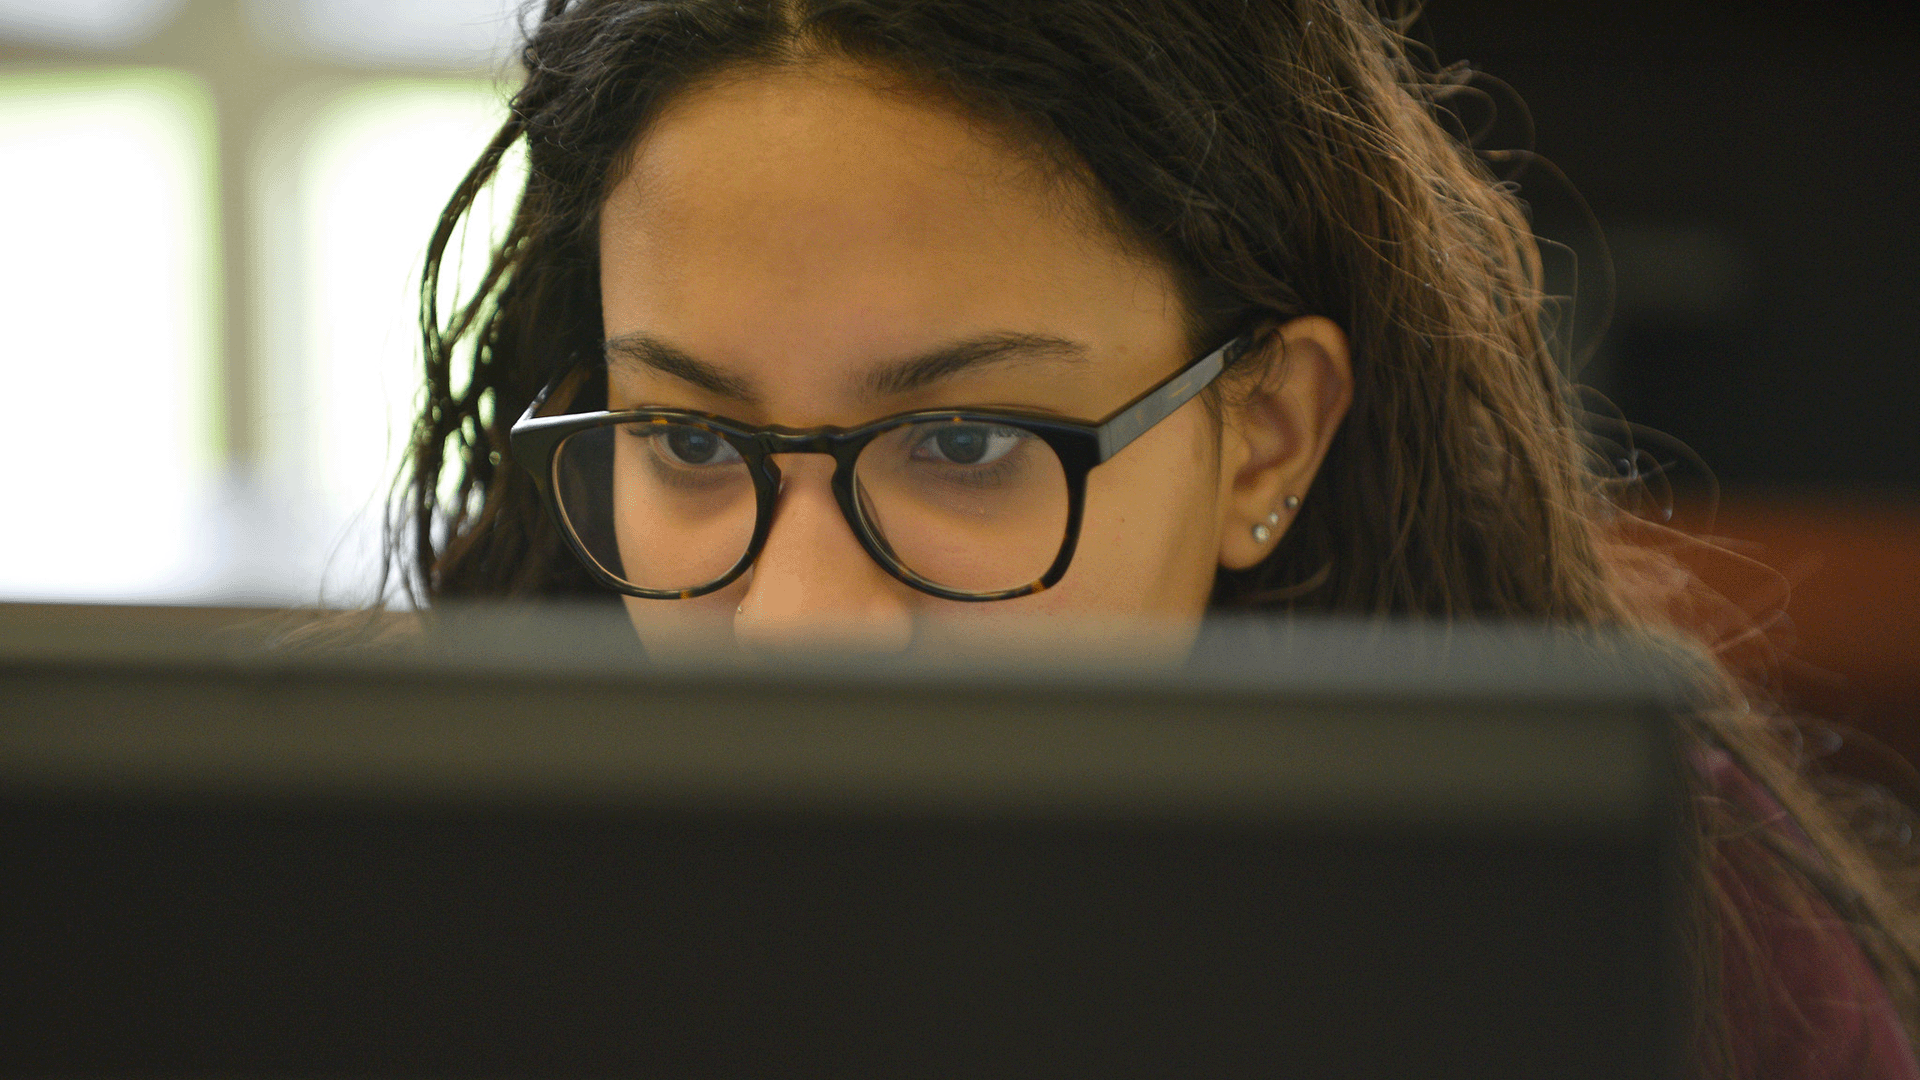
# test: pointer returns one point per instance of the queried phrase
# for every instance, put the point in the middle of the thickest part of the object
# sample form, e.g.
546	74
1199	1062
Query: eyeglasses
965	504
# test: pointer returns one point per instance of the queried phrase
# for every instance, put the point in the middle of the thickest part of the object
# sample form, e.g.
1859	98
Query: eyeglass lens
972	507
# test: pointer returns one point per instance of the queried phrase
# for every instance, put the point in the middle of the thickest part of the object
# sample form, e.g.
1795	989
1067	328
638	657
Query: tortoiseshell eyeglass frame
1080	447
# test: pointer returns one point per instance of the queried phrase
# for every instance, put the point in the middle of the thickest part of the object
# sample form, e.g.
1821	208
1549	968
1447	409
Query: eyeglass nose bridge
807	441
843	447
830	441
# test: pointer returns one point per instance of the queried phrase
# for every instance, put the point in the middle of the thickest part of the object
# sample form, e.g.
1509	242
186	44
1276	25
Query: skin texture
794	229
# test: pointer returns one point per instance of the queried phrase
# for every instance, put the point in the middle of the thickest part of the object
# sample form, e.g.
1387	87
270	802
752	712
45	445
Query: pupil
692	445
962	445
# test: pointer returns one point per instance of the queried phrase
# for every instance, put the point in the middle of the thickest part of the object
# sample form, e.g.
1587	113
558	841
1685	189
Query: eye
694	446
967	444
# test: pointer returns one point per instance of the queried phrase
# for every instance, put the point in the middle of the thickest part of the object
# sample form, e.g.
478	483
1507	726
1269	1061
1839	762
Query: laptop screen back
510	849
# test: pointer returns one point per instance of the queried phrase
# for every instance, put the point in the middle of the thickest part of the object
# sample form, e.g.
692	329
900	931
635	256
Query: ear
1275	433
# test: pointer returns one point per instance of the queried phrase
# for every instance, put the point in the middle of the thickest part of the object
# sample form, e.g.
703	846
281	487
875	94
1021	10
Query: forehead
803	221
831	147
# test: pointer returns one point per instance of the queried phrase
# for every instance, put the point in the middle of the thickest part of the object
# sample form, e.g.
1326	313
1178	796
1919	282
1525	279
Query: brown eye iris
966	444
693	446
962	445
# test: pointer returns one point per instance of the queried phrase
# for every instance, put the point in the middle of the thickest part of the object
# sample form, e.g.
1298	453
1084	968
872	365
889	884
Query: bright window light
380	163
434	33
107	347
96	24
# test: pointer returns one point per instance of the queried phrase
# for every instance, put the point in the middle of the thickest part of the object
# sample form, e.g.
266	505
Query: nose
813	586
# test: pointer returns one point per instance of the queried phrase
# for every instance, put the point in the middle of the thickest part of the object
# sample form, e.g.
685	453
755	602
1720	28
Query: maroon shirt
1802	999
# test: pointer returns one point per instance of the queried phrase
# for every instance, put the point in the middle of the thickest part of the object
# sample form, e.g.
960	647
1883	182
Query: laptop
509	846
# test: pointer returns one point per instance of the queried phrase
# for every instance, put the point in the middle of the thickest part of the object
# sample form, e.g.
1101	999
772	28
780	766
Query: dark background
1755	170
1754	165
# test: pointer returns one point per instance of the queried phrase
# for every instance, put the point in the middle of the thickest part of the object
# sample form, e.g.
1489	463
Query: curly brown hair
1284	158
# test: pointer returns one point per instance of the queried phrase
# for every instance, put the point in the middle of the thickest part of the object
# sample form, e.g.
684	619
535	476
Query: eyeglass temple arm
1159	403
546	391
559	375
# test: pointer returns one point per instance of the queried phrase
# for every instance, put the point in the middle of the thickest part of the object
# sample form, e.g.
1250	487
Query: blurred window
380	162
110	285
219	210
434	33
94	24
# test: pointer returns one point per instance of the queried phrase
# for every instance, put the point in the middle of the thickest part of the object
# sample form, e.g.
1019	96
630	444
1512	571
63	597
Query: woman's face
783	242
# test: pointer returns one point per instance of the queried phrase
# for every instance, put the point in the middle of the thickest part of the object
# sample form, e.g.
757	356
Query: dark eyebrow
930	367
897	377
664	358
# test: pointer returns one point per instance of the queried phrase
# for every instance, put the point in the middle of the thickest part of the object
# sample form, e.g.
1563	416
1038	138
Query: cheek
1149	545
1140	577
681	629
677	535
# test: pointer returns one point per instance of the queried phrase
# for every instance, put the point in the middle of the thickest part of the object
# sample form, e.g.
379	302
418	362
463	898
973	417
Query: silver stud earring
1273	519
1261	533
1292	502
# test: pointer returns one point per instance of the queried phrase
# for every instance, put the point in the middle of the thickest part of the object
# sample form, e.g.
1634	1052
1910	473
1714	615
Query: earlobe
1276	434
